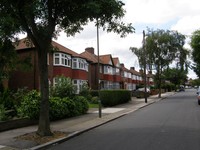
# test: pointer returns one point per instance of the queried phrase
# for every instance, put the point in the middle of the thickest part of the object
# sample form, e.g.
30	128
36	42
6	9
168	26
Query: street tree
195	44
42	20
175	76
160	51
8	59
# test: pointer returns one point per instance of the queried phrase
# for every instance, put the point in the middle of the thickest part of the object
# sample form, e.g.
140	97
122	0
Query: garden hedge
114	97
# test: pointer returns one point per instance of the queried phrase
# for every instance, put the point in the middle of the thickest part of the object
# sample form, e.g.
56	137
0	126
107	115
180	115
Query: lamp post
145	76
98	73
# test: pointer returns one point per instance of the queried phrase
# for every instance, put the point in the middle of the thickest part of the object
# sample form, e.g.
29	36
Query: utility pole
145	75
98	68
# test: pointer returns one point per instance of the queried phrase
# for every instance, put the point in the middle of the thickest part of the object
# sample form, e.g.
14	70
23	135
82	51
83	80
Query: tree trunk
44	122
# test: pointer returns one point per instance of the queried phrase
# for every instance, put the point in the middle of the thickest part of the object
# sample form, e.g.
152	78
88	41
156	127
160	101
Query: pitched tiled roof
26	44
135	72
91	57
106	59
116	61
23	44
124	68
64	49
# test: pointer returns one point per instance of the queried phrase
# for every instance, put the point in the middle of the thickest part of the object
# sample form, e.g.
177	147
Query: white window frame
63	59
79	83
79	63
108	70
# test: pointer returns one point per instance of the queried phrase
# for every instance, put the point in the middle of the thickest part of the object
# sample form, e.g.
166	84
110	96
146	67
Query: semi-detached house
61	61
81	68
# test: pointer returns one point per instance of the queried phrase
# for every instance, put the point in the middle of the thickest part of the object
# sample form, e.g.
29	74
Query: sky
180	15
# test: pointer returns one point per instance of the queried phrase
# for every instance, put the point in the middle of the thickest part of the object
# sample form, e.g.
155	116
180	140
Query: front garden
63	102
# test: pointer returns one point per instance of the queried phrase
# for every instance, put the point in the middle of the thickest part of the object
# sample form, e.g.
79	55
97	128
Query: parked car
182	88
142	89
198	90
198	98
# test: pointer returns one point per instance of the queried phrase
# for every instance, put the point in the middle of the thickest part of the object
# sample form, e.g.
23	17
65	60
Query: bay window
62	59
79	63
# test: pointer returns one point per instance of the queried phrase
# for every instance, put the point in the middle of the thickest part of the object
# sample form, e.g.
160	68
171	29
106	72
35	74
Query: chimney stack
90	50
132	68
122	65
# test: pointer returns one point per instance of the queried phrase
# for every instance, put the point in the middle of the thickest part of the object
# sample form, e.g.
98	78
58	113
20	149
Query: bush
168	87
94	100
65	107
63	88
19	95
114	97
58	108
85	92
81	104
3	116
6	99
94	93
30	105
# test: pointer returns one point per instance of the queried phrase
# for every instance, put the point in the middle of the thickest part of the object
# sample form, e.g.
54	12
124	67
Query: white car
142	89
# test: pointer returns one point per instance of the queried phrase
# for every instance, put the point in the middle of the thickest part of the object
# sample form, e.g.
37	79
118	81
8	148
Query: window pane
56	60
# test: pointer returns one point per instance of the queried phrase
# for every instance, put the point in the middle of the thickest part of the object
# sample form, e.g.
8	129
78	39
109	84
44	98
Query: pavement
76	125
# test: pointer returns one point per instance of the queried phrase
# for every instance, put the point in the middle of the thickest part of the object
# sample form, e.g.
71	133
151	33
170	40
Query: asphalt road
170	124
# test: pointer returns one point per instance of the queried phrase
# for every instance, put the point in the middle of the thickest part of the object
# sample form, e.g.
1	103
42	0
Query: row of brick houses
81	68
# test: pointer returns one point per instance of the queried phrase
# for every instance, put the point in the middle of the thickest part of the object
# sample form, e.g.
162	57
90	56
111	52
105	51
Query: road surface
170	124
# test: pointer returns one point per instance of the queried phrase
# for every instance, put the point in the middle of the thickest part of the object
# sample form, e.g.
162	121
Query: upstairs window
62	59
108	70
116	71
78	63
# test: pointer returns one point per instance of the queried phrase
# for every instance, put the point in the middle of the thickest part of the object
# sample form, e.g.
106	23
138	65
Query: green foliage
42	20
169	86
114	97
63	88
94	100
8	58
59	107
195	82
82	105
65	107
3	116
6	99
175	75
19	95
195	44
30	105
94	93
85	92
160	49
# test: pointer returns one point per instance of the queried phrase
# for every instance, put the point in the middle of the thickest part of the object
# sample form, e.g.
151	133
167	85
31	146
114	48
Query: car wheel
198	101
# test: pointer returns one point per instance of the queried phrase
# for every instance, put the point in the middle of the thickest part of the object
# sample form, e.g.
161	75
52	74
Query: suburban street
170	124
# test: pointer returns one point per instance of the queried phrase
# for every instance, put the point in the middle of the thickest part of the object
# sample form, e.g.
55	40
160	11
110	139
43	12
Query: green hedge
114	97
94	93
59	107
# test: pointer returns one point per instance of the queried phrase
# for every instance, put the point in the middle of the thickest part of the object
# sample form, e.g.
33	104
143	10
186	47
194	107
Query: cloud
180	15
187	24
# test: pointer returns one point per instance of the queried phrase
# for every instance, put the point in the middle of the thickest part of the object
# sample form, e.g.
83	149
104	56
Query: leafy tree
44	19
8	59
195	44
175	76
159	51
